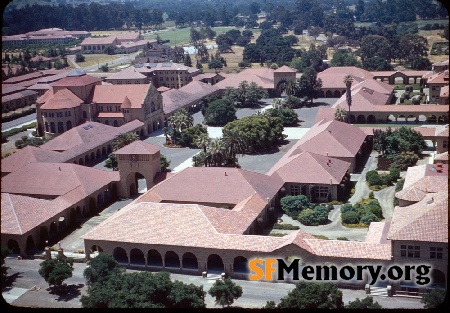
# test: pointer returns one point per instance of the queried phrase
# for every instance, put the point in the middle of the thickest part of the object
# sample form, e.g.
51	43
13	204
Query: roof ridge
14	212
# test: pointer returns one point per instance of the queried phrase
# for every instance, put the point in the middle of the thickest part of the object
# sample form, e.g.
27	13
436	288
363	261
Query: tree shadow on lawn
66	292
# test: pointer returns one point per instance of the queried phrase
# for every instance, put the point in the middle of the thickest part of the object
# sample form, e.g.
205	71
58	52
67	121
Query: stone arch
438	279
95	249
149	128
72	216
336	94
100	199
442	119
137	257
240	265
30	245
60	127
81	161
86	159
13	245
410	116
115	123
329	94
155	126
215	263
432	118
92	156
53	229
78	212
141	132
98	154
106	122
154	258
103	152
120	255
62	224
171	259
361	119
43	235
190	261
351	119
422	118
371	119
109	149
132	182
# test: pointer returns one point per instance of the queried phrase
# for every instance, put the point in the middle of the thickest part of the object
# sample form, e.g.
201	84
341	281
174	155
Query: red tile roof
98	40
441	131
285	69
77	80
234	184
315	169
138	147
363	99
350	249
20	214
27	155
338	139
263	77
439	78
128	73
54	179
426	220
62	99
333	77
116	94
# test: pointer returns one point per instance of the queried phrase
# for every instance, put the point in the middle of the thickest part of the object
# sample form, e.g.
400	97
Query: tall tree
56	271
101	267
309	85
348	80
234	144
313	295
225	292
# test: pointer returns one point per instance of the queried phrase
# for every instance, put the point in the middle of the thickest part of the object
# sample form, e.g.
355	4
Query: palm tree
180	120
216	149
234	144
340	114
348	80
203	141
290	87
124	139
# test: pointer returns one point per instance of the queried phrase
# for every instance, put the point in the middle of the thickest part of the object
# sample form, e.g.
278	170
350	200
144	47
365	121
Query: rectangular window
436	253
322	192
410	251
68	113
295	190
445	144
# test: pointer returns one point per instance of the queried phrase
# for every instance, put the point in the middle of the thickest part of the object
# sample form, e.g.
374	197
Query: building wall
441	144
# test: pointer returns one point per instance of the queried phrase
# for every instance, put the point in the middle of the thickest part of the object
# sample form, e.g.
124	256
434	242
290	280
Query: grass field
93	59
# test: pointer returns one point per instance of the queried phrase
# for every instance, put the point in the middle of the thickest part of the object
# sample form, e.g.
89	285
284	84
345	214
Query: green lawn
181	36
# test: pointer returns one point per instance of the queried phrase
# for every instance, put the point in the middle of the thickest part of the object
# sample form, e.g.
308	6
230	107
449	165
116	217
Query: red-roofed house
435	83
334	139
320	178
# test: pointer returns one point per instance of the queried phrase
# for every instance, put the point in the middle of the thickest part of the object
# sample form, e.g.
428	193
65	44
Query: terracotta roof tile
62	99
54	179
310	168
338	139
115	94
426	220
82	79
20	214
285	69
350	249
128	73
377	232
27	155
138	147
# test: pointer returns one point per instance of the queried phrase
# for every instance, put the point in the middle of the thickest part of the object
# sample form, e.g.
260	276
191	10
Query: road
23	276
19	122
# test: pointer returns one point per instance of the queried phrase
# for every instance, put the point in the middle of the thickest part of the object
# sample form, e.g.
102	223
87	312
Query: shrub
19	144
277	234
371	195
285	226
373	178
375	210
335	202
350	217
386	179
347	208
368	218
293	205
342	238
404	160
321	237
306	217
394	172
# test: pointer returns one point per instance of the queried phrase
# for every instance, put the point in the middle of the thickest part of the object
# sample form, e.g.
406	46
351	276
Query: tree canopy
101	267
366	303
259	132
56	271
313	295
225	292
142	290
220	112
